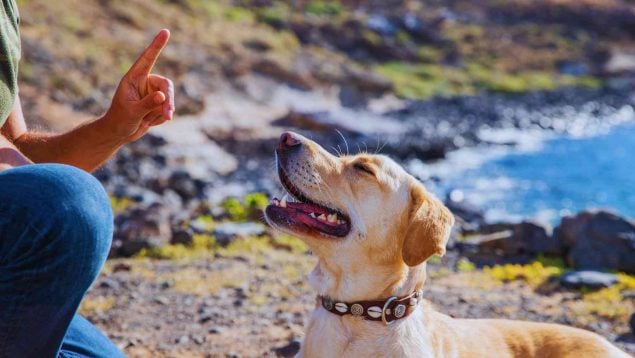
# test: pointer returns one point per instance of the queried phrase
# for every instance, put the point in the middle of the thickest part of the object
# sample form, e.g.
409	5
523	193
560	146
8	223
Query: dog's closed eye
363	168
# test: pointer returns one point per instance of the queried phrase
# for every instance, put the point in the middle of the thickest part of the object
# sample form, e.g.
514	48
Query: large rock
142	226
516	239
598	240
589	279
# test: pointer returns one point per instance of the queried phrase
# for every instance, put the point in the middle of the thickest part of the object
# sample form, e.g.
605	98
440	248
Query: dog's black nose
288	140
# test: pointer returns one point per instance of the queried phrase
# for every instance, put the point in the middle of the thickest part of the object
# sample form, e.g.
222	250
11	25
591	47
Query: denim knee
72	207
84	214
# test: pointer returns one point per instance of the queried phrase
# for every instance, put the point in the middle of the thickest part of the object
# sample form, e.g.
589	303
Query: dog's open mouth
301	214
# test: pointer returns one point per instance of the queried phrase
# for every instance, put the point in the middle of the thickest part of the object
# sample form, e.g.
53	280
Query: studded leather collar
387	311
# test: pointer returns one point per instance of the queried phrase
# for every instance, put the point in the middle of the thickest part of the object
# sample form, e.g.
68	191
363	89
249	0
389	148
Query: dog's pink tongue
308	208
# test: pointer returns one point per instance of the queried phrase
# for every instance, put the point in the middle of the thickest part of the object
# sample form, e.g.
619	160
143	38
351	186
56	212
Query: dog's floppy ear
428	228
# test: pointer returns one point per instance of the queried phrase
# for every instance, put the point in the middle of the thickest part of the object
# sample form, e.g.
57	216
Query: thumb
150	102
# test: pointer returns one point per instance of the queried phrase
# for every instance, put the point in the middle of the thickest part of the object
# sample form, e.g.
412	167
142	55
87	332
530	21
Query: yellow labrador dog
373	227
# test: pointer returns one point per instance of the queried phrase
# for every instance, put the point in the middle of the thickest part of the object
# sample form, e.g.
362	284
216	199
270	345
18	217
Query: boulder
536	239
141	226
183	184
597	240
515	239
182	236
589	279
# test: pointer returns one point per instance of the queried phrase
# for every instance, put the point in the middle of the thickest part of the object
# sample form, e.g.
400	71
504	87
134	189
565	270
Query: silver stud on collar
400	310
357	309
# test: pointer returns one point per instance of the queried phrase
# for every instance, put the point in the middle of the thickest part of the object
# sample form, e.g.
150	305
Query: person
56	222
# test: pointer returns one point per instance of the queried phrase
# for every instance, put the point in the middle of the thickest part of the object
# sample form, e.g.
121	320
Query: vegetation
202	245
427	80
99	304
241	211
459	57
119	204
534	273
465	265
608	302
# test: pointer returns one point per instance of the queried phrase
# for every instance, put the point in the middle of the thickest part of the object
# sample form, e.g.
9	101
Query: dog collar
387	311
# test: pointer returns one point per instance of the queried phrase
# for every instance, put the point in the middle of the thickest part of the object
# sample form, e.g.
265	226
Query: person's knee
84	212
78	215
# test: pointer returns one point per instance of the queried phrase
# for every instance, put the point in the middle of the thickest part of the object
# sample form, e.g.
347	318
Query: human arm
142	100
10	156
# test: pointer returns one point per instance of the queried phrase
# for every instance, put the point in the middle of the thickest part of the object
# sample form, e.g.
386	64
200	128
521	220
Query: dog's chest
327	336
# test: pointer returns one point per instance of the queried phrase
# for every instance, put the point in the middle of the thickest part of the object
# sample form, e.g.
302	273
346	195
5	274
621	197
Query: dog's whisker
382	147
345	142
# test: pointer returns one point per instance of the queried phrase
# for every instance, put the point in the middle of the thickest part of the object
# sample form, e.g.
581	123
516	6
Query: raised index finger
148	58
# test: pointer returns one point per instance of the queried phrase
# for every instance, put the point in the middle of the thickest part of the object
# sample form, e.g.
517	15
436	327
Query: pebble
162	300
589	279
288	350
109	283
182	340
216	330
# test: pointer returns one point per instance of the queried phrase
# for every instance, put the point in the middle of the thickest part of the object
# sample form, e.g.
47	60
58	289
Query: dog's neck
342	332
372	283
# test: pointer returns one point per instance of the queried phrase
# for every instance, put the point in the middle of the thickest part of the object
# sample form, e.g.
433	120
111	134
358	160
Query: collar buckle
385	308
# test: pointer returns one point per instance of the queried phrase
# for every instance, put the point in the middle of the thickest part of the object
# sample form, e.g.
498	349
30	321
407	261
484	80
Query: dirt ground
252	299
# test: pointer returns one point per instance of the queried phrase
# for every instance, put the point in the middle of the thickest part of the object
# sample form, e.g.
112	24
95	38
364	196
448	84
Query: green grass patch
275	15
465	265
425	80
206	222
241	211
324	8
99	304
608	302
534	273
201	246
120	204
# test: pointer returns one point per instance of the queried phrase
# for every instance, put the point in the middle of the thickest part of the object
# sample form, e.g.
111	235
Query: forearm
142	100
87	146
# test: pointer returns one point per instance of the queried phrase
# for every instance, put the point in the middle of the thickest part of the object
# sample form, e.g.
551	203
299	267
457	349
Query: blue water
565	175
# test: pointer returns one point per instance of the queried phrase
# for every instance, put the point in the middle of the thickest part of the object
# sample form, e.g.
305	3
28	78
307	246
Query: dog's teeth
275	202
283	202
322	217
312	215
332	218
339	222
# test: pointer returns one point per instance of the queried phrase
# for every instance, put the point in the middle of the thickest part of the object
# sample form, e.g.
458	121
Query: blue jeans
55	233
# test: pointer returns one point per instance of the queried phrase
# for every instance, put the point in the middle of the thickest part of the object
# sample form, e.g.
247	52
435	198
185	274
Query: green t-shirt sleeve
9	56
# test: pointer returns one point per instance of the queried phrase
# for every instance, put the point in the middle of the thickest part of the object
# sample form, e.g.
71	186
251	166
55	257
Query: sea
541	176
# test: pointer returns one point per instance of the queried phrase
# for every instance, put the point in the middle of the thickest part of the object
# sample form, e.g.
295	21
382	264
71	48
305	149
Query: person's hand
142	100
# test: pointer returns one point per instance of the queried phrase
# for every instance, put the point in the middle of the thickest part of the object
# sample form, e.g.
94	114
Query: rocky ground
251	299
193	270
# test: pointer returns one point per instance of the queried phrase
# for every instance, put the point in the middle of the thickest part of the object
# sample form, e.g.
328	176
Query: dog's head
356	211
